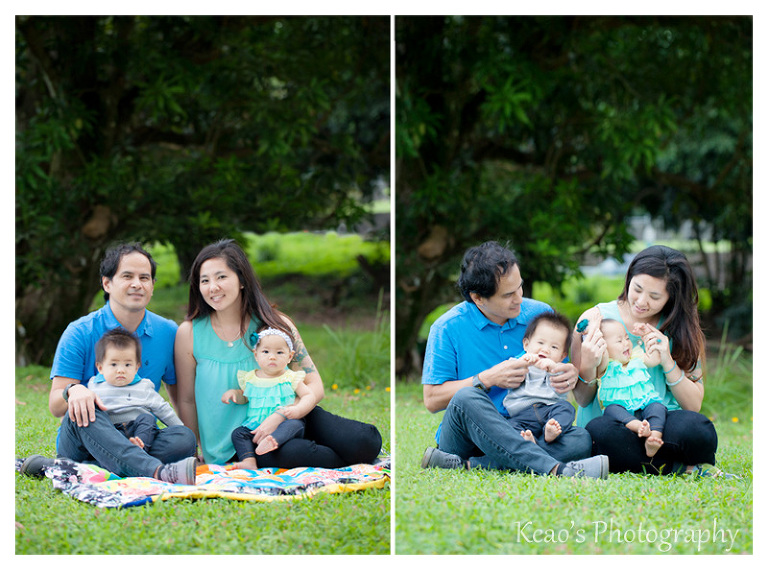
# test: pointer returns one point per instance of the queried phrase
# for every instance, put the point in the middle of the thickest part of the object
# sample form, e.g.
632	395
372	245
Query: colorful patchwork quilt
97	486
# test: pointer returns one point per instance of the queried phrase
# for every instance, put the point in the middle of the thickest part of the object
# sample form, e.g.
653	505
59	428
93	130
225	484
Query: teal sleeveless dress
627	386
217	367
587	413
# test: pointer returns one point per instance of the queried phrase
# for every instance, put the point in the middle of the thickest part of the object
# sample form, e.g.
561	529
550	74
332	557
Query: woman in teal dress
659	304
226	306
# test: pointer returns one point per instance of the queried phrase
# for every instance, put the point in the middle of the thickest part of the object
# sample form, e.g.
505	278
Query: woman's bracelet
279	413
676	382
671	369
588	383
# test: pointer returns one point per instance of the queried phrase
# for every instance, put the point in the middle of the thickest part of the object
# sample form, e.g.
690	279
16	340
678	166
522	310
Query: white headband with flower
270	331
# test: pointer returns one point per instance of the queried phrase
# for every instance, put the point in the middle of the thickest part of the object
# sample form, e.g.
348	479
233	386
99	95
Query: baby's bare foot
528	436
266	445
249	463
135	440
653	443
552	430
644	430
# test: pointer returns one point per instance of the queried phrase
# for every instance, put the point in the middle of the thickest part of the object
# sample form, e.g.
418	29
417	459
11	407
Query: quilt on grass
98	487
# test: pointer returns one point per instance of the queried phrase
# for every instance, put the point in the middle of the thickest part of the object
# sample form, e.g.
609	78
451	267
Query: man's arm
507	375
172	392
80	405
437	396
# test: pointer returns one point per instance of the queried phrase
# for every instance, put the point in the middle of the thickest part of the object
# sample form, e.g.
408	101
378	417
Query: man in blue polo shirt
86	433
470	364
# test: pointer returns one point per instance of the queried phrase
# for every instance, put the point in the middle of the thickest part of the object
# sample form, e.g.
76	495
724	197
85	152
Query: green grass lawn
49	522
485	512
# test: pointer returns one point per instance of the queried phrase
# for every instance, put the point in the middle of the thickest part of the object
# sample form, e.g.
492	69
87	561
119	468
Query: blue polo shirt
464	342
76	353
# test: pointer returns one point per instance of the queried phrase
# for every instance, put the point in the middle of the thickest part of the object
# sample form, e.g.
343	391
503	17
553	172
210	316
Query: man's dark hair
555	319
112	258
117	338
482	267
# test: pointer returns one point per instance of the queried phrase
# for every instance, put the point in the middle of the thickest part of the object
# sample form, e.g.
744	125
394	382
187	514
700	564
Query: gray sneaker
35	465
595	467
433	457
183	472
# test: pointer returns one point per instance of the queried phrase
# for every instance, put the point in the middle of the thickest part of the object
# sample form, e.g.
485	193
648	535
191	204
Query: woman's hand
654	341
592	346
290	412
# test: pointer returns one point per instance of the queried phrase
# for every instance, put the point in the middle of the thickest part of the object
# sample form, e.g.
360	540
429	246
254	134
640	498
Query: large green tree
183	130
549	131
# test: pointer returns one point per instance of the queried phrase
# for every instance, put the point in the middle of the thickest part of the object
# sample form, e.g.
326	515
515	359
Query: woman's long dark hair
252	299
681	314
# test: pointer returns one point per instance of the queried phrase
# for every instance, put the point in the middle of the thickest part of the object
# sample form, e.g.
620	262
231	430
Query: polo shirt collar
481	321
144	328
99	378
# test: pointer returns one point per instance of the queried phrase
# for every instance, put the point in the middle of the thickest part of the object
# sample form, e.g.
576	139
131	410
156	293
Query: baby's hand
546	364
530	359
229	396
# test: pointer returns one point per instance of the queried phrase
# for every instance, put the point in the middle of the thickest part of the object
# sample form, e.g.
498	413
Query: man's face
505	303
132	286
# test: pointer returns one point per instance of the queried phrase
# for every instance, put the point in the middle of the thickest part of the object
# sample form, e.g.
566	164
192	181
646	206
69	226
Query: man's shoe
595	467
35	465
433	457
182	472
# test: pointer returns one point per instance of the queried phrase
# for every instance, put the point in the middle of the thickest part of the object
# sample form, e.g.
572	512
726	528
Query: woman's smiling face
219	285
646	296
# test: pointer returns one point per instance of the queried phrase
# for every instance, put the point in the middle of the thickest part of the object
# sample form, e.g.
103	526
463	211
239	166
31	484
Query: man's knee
469	396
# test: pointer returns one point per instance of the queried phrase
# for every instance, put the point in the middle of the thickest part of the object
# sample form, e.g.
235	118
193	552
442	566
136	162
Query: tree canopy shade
184	130
547	132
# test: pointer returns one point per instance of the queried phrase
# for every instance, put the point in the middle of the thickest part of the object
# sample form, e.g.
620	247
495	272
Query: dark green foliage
548	132
184	130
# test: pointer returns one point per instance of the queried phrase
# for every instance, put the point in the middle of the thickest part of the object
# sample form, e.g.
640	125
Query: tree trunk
43	311
412	307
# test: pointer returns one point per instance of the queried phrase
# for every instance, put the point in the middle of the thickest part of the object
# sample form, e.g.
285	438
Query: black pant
655	413
689	439
242	438
329	441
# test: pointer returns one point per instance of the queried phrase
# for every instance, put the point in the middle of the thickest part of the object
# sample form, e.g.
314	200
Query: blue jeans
472	426
102	443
